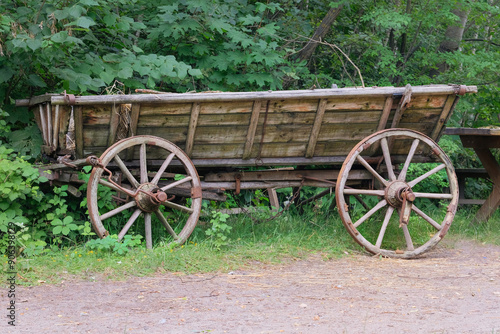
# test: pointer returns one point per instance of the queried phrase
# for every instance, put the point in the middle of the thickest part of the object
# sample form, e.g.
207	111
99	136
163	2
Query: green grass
291	236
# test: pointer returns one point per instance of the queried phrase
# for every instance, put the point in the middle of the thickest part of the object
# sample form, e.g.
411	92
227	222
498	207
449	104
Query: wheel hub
394	193
149	197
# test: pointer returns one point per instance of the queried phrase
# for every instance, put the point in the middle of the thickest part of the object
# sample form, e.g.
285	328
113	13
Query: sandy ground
451	290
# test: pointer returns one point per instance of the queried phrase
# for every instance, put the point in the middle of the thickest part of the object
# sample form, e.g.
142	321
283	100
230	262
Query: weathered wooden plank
252	127
43	122
193	122
313	137
263	95
55	135
164	121
334	148
385	113
96	115
79	131
448	106
353	103
134	121
63	125
96	135
49	123
424	127
282	175
148	109
230	107
176	135
343	132
420	115
472	132
134	118
281	133
113	124
427	102
273	199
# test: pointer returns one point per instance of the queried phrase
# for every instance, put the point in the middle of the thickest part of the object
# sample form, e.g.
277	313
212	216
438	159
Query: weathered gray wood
55	135
444	116
269	95
266	184
134	120
385	113
313	136
273	199
472	132
34	100
49	124
44	125
193	122
113	124
252	127
78	131
284	175
148	234
402	106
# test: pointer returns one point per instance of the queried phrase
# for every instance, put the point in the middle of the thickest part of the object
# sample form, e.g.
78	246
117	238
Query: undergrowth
291	236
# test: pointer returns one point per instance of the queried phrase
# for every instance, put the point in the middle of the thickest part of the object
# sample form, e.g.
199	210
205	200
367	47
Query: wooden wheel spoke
433	195
426	217
409	242
411	153
176	183
387	217
179	207
351	191
126	172
165	223
426	175
129	223
163	168
371	170
377	207
147	224
387	158
143	163
124	207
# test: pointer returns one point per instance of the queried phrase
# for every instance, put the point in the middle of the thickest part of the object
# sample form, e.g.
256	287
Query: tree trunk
452	38
319	34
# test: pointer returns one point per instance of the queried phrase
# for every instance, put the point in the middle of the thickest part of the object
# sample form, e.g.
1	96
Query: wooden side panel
222	128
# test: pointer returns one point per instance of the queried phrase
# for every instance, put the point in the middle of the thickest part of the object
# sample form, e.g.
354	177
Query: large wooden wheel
148	190
411	207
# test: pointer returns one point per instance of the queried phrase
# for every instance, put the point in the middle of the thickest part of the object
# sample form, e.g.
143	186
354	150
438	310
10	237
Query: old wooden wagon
163	153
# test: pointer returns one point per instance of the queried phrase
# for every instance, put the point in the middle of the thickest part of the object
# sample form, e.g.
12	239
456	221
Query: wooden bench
483	141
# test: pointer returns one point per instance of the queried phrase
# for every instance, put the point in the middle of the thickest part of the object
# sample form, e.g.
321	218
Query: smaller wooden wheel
409	208
150	189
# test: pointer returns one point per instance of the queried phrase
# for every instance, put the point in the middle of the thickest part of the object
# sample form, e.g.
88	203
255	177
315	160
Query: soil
454	289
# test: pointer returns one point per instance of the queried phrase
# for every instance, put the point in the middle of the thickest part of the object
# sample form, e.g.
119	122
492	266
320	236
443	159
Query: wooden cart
163	153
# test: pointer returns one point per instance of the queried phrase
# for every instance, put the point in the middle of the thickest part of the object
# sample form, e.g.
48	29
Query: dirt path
452	290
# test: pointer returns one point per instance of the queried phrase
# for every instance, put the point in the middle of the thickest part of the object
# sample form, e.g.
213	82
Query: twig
335	47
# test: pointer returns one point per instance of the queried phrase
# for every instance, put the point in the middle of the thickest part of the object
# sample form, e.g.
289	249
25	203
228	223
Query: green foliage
219	230
111	243
80	46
